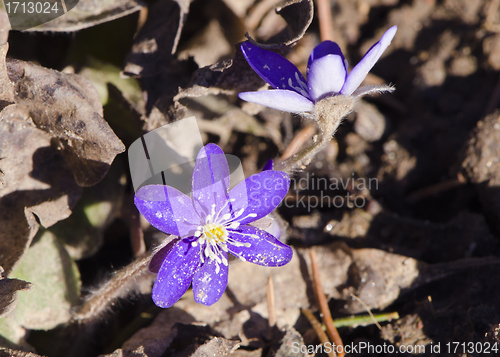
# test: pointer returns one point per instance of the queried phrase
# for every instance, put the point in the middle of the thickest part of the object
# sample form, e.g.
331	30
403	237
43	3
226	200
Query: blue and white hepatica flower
210	224
326	76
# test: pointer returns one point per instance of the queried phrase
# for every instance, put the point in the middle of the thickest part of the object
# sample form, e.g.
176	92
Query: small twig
436	188
271	305
143	15
319	331
298	140
302	158
367	310
325	20
323	304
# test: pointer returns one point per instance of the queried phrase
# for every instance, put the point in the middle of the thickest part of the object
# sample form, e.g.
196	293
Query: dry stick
436	188
271	306
302	158
323	304
325	20
319	331
298	140
143	16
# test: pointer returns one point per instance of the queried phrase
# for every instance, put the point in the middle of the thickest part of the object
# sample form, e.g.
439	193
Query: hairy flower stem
328	114
119	286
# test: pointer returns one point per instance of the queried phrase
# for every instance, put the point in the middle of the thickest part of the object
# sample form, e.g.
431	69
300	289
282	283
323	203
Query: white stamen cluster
303	90
214	237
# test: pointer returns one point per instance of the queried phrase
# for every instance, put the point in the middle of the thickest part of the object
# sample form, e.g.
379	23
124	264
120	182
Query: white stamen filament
213	237
302	89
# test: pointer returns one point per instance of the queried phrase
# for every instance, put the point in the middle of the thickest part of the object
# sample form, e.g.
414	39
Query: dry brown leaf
6	86
208	46
156	338
68	108
88	13
8	292
157	40
217	346
298	15
152	55
35	180
288	343
173	331
51	109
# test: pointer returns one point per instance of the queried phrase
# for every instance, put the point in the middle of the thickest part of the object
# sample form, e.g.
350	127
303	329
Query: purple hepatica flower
326	74
209	224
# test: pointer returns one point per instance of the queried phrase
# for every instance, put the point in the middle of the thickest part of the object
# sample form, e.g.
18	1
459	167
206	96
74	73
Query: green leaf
56	279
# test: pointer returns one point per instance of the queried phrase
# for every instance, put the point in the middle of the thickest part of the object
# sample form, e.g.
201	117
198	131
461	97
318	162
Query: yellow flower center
215	232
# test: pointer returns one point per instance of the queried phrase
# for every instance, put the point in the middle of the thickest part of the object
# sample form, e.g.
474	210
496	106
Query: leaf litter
423	244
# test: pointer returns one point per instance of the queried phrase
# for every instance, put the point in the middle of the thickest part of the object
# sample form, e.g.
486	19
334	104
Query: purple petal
210	179
280	99
326	70
269	165
167	209
325	48
208	284
176	273
274	69
359	72
159	256
259	195
264	249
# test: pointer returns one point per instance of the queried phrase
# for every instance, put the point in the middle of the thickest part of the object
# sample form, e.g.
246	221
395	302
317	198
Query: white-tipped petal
326	76
359	72
280	99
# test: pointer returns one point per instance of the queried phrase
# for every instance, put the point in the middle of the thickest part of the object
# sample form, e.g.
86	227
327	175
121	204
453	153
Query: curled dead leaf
298	15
